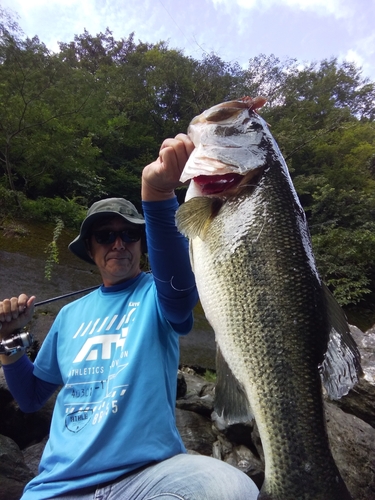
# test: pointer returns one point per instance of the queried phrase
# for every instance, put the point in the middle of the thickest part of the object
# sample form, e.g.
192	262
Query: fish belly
261	293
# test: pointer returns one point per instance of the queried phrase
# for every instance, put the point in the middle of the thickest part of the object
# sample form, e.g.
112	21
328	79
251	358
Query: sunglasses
107	236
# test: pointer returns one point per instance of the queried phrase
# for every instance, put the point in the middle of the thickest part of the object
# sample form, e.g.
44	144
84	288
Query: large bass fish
278	329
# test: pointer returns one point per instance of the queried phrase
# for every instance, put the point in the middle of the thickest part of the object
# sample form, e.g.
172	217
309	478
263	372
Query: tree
268	76
326	131
44	149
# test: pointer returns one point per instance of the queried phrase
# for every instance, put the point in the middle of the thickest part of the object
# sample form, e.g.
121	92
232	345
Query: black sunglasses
107	236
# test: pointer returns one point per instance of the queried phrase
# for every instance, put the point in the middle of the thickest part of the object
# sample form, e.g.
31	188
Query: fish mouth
215	184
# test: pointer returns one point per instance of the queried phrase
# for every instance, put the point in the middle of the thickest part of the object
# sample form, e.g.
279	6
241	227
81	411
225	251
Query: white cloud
31	4
59	20
337	8
363	55
355	57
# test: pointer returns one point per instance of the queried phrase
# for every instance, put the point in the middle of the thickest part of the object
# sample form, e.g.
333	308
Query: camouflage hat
100	209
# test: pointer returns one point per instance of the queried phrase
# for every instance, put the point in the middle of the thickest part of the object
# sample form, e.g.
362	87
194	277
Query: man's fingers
181	143
175	152
12	308
5	310
189	145
23	302
31	301
168	155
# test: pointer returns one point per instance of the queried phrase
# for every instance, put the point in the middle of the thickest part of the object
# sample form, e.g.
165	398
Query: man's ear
88	248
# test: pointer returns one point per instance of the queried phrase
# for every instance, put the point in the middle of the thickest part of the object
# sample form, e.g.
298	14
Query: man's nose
118	244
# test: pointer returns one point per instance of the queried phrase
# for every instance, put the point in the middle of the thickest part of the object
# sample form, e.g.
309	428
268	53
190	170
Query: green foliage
52	250
210	376
323	122
345	259
49	209
8	202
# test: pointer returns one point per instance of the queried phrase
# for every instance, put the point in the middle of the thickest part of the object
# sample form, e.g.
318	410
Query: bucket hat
98	210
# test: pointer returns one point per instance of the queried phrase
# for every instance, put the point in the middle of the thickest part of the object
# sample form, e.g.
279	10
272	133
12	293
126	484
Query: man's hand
15	313
160	178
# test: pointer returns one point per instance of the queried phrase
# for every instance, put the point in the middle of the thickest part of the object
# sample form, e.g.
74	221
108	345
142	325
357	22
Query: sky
235	30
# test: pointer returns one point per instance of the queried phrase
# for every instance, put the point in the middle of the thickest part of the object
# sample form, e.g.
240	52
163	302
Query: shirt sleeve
30	392
168	253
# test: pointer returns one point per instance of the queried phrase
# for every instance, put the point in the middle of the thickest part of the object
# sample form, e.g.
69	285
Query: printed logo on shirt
101	347
77	420
103	354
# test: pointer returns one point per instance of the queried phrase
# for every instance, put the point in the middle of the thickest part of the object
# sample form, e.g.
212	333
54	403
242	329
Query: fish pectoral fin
194	216
341	367
231	404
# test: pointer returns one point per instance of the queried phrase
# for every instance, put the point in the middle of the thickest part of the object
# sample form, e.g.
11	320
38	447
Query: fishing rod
47	301
20	341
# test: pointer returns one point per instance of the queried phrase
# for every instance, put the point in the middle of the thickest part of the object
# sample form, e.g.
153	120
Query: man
115	355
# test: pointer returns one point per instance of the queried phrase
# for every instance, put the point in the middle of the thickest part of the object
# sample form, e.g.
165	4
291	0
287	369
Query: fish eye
221	114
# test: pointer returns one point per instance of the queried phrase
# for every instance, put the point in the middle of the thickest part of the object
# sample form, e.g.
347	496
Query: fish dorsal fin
194	216
231	404
341	367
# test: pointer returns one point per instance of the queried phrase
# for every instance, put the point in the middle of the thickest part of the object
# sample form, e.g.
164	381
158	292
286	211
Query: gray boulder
14	473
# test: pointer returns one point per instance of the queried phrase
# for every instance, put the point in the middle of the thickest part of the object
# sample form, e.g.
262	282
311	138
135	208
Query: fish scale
264	299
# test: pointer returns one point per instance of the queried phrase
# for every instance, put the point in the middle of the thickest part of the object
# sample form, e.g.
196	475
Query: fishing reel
19	342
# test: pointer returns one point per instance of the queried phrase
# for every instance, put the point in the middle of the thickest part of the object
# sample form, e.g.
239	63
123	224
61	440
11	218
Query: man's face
118	261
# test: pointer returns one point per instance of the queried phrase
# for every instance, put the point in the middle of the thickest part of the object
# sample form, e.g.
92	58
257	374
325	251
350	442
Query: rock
198	349
361	399
196	384
196	431
24	428
360	402
366	345
14	473
353	448
241	457
26	274
199	396
32	455
181	385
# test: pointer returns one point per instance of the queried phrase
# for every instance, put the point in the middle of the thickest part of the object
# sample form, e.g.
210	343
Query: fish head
231	140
